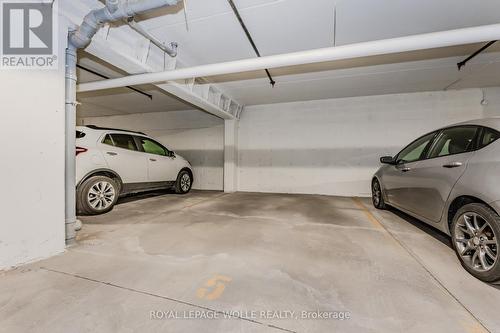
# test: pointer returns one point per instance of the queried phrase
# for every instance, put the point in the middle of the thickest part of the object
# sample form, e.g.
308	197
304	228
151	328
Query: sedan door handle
406	169
152	160
453	165
111	153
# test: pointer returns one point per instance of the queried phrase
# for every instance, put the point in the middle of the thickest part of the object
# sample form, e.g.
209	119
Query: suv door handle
453	165
111	153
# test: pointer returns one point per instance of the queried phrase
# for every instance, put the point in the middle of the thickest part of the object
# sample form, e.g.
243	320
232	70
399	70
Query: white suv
112	162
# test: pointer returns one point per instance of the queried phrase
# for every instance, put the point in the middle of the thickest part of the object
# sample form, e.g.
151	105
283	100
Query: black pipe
250	39
463	63
107	77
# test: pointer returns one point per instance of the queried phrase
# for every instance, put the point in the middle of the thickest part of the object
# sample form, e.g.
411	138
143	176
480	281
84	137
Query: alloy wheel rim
185	182
376	193
476	242
101	195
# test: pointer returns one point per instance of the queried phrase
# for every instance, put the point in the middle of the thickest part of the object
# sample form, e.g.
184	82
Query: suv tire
97	195
184	182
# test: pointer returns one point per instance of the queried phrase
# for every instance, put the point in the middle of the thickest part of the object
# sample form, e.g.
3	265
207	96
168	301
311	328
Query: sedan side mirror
171	154
388	160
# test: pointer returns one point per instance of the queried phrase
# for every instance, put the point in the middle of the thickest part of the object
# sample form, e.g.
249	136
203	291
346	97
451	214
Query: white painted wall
32	163
196	135
333	146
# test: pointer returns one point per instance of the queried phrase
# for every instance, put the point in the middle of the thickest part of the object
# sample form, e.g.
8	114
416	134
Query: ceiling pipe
114	10
352	51
170	50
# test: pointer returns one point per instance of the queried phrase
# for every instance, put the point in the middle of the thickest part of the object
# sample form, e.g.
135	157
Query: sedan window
489	136
152	147
455	140
415	150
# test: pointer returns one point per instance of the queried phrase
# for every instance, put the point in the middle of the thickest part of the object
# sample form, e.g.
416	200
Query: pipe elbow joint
79	41
173	49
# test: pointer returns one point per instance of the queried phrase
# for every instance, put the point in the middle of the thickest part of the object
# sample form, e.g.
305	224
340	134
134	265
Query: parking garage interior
278	232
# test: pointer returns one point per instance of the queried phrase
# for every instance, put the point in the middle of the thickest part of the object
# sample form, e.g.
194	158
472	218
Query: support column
231	155
70	113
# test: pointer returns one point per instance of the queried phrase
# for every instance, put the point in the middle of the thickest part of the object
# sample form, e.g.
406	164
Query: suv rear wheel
475	230
97	195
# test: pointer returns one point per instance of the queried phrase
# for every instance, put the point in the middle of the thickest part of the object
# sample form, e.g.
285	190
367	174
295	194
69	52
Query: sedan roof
486	122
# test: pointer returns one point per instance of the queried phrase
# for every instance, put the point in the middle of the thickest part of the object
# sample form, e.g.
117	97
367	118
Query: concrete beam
112	52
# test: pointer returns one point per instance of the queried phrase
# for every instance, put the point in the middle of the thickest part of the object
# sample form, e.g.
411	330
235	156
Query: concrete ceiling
212	34
121	100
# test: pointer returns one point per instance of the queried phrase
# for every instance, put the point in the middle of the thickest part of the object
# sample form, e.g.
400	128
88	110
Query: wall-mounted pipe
352	51
171	50
115	10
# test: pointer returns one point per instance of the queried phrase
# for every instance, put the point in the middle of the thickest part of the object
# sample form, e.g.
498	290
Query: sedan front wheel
475	230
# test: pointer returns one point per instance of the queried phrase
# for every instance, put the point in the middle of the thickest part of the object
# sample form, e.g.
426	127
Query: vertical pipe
70	123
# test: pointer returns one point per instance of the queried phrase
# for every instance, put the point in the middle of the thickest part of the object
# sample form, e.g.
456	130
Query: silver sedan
450	179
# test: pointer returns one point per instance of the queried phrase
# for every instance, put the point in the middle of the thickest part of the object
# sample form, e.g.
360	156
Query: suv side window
489	136
152	147
107	140
124	141
455	140
415	151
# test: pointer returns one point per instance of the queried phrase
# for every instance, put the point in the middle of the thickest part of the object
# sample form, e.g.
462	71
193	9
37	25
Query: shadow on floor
436	234
144	195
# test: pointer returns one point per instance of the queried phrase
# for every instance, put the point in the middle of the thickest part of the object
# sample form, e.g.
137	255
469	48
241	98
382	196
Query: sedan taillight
80	150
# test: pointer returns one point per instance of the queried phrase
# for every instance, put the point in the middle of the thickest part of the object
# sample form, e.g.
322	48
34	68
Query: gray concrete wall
333	146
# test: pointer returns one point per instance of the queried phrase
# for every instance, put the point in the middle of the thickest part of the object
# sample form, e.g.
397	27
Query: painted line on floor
480	327
110	284
373	220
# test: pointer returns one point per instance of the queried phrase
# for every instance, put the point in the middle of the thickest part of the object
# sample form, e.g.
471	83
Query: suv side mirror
388	160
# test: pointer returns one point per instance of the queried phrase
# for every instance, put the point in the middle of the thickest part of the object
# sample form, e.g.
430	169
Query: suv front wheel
97	195
184	182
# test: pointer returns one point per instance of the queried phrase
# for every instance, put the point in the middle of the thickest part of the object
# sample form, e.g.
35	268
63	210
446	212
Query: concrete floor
208	253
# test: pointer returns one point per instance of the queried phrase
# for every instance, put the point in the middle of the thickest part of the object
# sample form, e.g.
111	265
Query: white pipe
170	50
352	51
70	143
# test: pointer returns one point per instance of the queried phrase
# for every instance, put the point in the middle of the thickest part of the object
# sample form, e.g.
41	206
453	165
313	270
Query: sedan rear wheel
475	230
